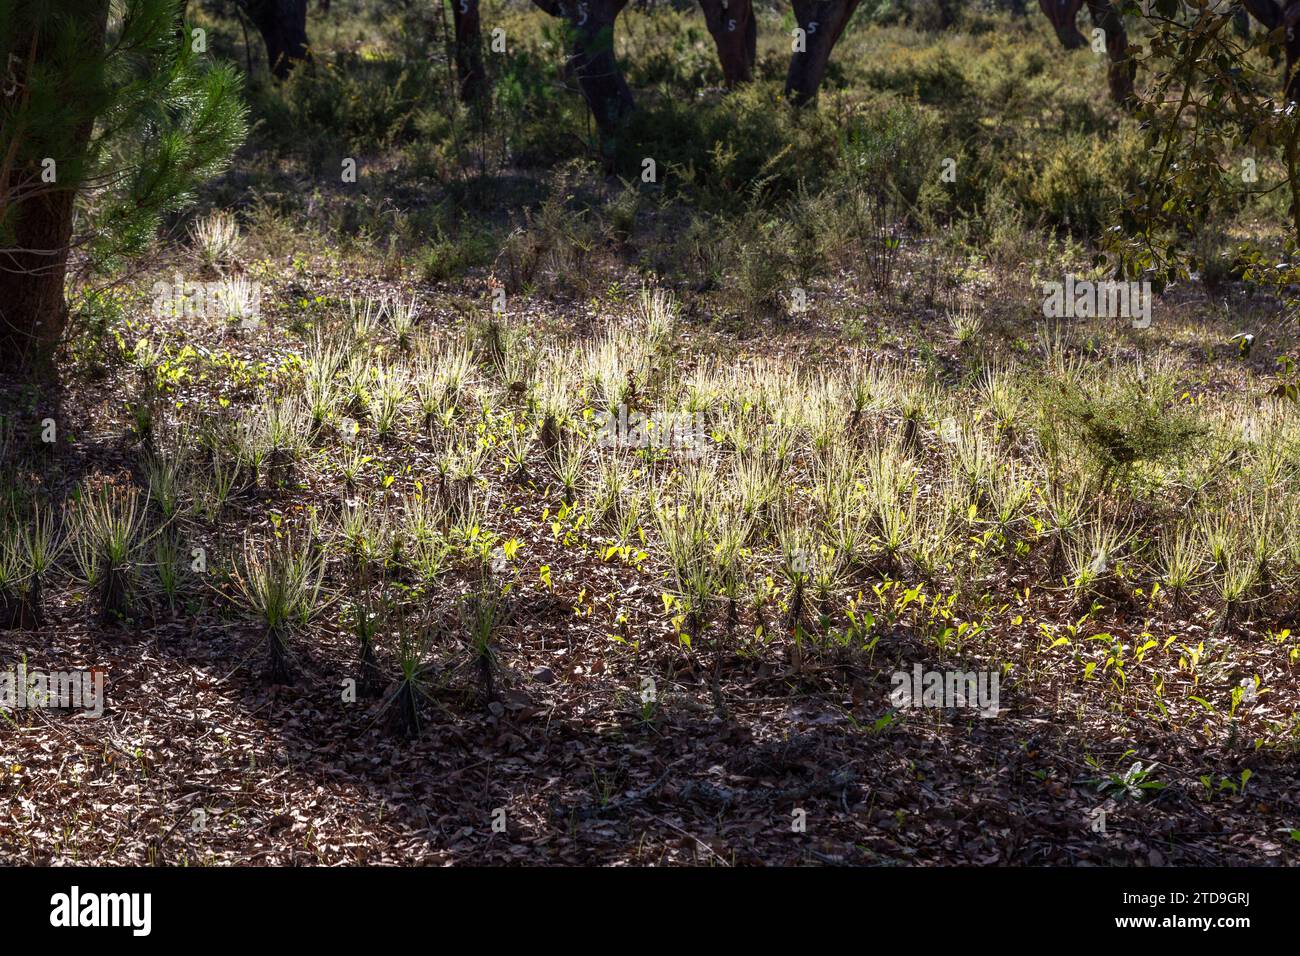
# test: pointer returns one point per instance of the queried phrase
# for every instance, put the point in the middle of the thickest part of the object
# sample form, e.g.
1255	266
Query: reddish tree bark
469	49
283	25
1273	15
591	60
1120	72
1063	16
822	22
735	33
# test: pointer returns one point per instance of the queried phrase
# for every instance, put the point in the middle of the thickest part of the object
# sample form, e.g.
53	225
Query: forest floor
799	757
1104	517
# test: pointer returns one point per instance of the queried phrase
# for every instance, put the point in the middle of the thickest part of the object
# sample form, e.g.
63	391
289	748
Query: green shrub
929	74
1076	181
342	103
1118	420
446	258
898	143
745	143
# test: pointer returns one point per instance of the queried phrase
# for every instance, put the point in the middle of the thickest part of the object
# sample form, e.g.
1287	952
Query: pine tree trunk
36	216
